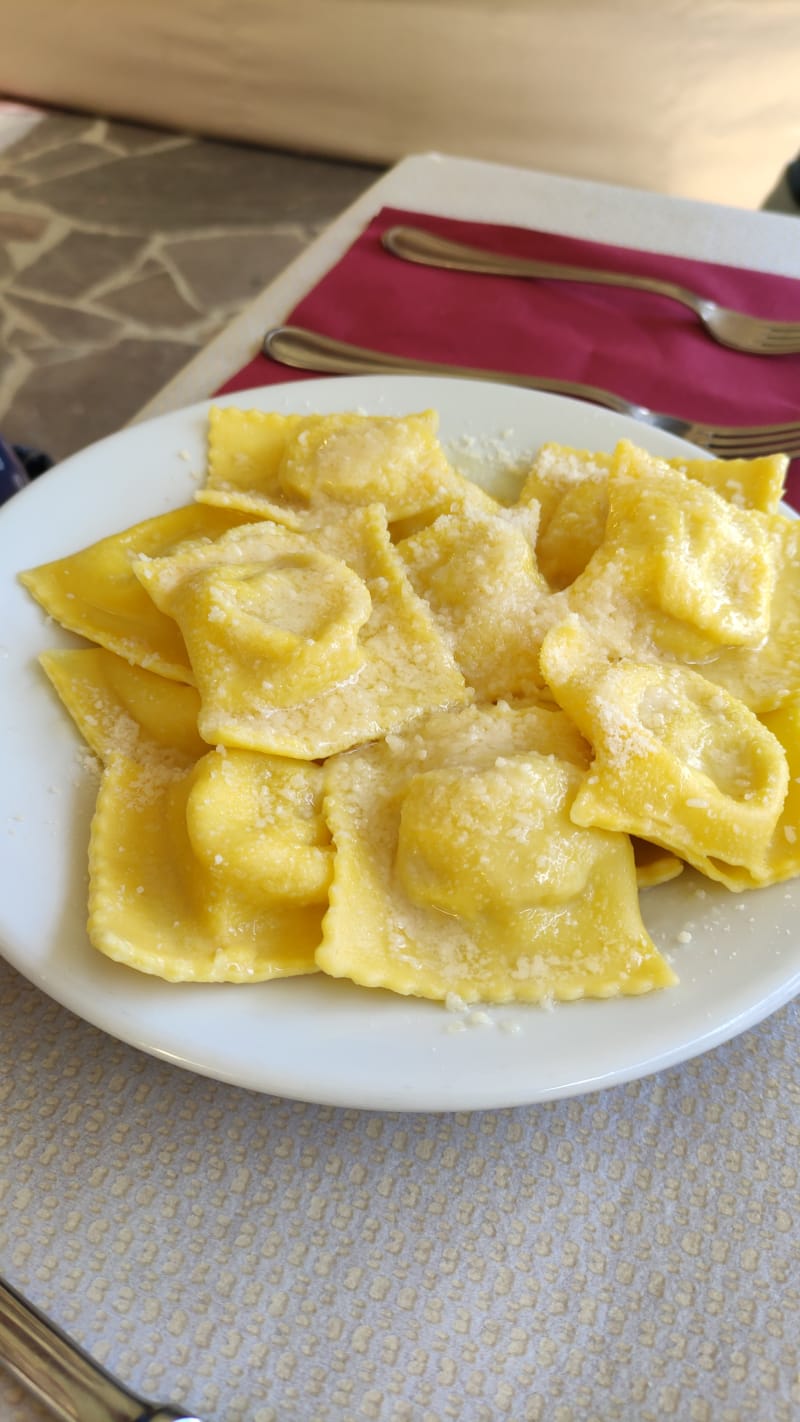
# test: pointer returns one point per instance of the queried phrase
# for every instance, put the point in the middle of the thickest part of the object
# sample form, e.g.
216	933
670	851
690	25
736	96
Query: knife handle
61	1375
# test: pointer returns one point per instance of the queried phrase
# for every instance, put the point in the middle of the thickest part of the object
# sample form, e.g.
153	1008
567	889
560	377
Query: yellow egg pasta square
304	647
573	533
556	469
213	873
94	592
677	760
246	447
205	866
458	869
783	859
478	574
290	468
765	675
571	486
680	575
746	483
124	709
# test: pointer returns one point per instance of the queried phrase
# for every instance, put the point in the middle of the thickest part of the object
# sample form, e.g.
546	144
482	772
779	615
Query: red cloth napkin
645	347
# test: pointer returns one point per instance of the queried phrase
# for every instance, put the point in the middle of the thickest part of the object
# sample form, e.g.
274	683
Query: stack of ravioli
356	716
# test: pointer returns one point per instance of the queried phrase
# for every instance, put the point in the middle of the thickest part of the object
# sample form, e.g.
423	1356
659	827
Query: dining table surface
609	1255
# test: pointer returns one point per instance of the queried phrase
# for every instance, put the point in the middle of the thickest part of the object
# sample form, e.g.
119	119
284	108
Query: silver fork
307	350
731	328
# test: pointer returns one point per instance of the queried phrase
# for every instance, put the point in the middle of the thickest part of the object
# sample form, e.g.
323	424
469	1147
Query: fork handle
414	244
61	1375
308	350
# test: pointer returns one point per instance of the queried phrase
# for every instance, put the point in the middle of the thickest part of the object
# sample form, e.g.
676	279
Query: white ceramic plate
312	1038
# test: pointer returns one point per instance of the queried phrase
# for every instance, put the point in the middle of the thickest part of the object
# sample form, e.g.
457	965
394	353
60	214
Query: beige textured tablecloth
627	1255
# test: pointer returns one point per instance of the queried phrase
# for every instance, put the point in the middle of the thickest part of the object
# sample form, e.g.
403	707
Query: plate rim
446	1096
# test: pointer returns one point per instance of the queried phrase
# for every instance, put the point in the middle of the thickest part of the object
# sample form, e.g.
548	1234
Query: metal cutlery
306	350
64	1377
730	328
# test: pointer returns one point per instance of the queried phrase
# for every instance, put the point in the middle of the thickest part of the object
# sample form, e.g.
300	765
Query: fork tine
786	341
791	431
752	448
752	334
750	451
749	443
788	429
